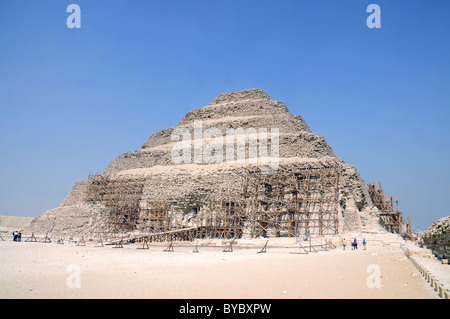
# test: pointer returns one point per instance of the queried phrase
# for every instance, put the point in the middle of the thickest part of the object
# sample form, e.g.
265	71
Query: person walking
356	244
364	243
344	243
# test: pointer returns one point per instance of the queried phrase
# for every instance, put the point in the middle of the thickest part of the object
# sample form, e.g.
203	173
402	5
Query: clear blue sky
74	99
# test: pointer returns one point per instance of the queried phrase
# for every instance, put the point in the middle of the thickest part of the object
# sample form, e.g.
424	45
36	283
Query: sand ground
48	270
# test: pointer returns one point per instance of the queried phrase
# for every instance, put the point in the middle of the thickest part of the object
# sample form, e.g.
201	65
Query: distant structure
144	195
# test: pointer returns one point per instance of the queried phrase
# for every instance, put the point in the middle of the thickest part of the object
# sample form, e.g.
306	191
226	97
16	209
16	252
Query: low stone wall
443	292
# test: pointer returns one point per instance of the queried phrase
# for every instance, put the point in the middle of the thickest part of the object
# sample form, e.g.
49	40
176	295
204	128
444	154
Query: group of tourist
17	236
354	242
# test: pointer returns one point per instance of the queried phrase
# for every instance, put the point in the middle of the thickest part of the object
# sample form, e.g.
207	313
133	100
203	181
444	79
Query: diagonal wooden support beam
144	244
229	248
169	248
264	249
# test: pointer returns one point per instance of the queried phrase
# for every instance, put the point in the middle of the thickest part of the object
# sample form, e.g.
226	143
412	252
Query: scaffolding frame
391	217
121	196
299	199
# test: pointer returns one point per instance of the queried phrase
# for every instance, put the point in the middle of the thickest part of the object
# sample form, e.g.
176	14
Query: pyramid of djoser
313	191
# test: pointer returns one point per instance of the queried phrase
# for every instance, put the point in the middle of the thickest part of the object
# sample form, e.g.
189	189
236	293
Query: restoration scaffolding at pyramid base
391	218
298	200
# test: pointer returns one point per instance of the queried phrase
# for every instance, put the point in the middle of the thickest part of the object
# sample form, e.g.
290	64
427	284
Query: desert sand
49	270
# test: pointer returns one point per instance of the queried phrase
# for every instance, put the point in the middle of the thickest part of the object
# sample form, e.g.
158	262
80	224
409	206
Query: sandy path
39	270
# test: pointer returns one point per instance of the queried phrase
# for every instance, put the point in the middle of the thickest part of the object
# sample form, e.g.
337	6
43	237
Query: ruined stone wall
437	238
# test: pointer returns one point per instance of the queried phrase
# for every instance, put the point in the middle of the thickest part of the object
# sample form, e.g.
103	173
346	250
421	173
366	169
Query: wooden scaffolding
296	200
391	218
121	196
221	217
157	222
